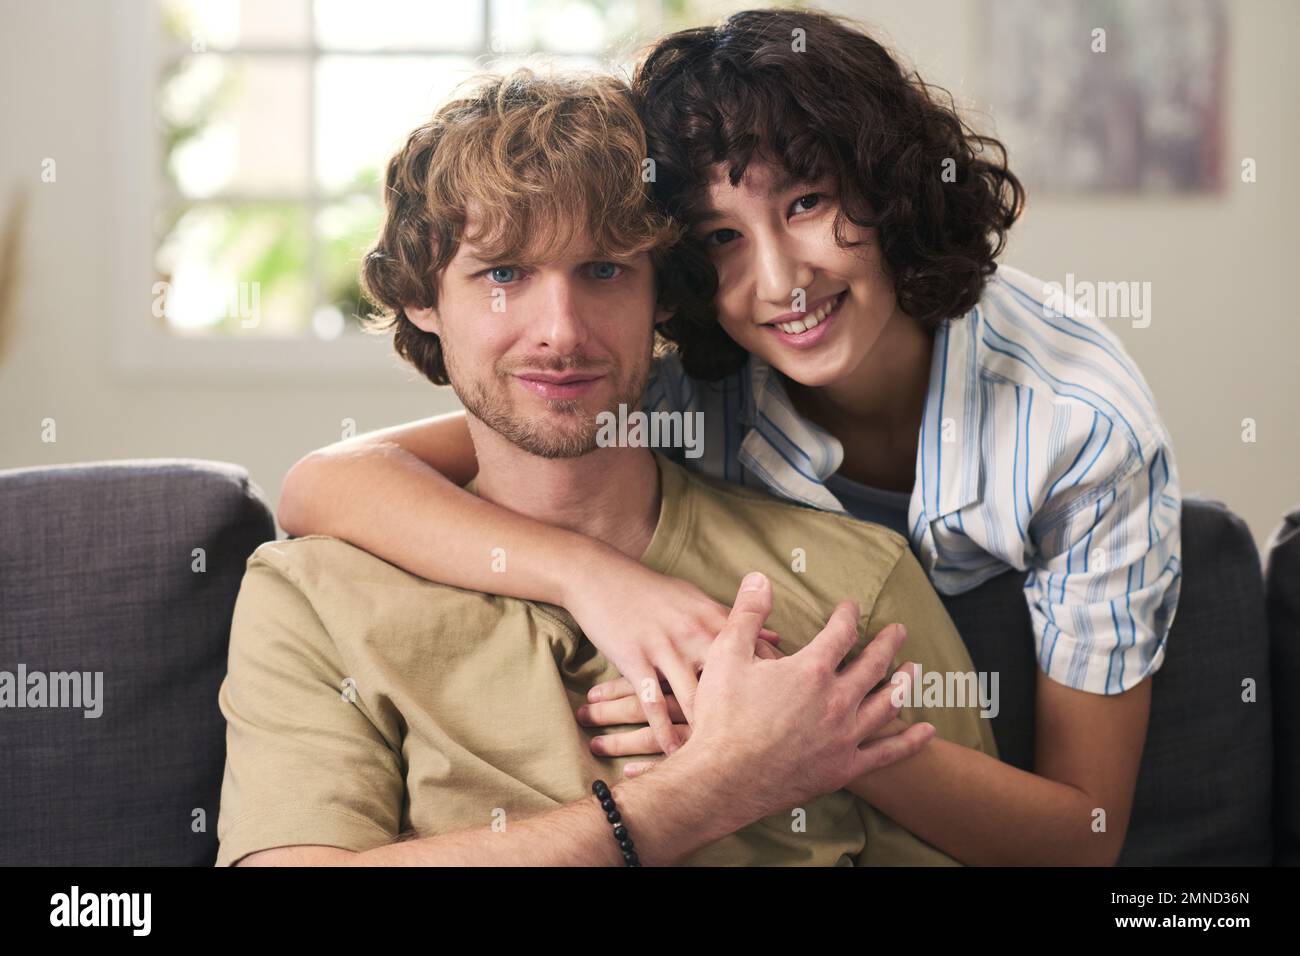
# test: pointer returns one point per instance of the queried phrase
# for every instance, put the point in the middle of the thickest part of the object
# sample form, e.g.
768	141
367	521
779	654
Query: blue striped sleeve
1107	556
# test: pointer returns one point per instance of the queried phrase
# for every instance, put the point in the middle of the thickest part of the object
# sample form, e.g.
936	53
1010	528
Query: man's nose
559	323
781	270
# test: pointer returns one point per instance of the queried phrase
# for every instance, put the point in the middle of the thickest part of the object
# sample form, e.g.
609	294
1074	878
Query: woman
863	353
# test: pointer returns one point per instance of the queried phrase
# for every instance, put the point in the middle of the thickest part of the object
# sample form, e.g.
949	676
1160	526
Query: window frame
140	346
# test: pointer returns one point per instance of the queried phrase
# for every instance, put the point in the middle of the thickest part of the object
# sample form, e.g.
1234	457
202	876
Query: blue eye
604	270
502	274
721	237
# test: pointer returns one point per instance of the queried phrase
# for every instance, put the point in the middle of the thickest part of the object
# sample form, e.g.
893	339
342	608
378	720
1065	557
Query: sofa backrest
128	569
1282	587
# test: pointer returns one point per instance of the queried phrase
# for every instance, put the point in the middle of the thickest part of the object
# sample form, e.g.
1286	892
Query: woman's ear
426	320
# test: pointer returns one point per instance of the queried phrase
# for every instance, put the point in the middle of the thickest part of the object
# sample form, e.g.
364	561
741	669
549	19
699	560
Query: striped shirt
1040	449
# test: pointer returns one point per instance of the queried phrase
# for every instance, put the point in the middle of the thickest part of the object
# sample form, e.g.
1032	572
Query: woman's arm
1074	811
1105	551
396	493
1102	588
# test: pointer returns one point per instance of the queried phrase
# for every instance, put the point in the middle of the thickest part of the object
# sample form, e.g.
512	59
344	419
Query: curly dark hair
812	93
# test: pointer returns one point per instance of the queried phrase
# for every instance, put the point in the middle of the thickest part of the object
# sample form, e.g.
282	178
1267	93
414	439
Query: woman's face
787	291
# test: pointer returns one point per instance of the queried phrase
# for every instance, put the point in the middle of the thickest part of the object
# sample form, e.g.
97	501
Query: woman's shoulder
1033	343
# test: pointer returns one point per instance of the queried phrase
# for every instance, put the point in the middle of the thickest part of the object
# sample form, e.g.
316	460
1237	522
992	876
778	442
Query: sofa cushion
1204	788
1282	587
99	573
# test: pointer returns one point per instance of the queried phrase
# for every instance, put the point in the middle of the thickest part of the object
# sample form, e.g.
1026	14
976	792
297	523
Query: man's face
537	352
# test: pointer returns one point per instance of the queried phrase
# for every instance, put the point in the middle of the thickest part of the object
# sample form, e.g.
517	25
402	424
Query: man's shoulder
345	583
317	557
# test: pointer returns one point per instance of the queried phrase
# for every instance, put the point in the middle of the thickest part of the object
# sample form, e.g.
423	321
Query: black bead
613	817
607	804
626	845
631	859
620	832
600	789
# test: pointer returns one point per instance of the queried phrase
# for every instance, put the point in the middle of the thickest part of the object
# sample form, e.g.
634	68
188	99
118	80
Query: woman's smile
804	332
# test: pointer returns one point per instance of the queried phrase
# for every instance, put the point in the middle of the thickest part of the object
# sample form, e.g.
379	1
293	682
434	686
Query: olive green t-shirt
363	701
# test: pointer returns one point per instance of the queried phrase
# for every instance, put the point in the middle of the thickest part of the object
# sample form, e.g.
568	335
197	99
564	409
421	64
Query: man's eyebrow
707	215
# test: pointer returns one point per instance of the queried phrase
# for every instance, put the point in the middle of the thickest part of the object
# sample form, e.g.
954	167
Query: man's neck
610	494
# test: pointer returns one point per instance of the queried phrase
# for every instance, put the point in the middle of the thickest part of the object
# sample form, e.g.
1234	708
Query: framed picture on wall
1100	96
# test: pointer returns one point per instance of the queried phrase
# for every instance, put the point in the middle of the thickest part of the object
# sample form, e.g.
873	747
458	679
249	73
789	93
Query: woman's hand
653	628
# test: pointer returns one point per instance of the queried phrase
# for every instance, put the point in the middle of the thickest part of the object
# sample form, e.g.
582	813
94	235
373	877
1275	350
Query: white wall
1223	344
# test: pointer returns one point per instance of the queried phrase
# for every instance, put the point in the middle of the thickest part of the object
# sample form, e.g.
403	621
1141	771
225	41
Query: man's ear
426	320
663	314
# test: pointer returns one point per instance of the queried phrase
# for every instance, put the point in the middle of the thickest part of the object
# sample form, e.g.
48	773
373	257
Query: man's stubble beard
575	437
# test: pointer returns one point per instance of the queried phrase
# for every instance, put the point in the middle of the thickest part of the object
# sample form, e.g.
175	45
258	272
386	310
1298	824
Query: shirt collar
674	527
787	451
795	455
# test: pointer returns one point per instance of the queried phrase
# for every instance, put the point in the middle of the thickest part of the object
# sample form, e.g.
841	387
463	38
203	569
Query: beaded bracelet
601	790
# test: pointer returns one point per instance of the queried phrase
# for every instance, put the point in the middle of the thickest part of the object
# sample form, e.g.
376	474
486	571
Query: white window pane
561	26
222	24
544	62
399	24
237	124
237	269
366	106
512	31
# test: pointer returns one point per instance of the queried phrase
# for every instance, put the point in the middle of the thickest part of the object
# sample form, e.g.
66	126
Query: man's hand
774	732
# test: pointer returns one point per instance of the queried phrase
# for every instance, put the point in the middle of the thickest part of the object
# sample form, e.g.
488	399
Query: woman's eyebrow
779	187
784	184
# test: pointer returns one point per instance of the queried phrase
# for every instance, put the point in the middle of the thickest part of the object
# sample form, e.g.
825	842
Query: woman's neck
875	411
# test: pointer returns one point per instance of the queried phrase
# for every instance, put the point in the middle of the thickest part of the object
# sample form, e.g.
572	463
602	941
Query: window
255	171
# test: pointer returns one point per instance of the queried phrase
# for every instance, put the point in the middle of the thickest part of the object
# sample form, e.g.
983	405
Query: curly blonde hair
541	160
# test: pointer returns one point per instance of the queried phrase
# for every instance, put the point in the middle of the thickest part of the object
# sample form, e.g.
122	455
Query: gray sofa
131	569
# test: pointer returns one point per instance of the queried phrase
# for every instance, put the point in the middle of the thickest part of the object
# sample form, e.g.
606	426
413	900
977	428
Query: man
375	717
